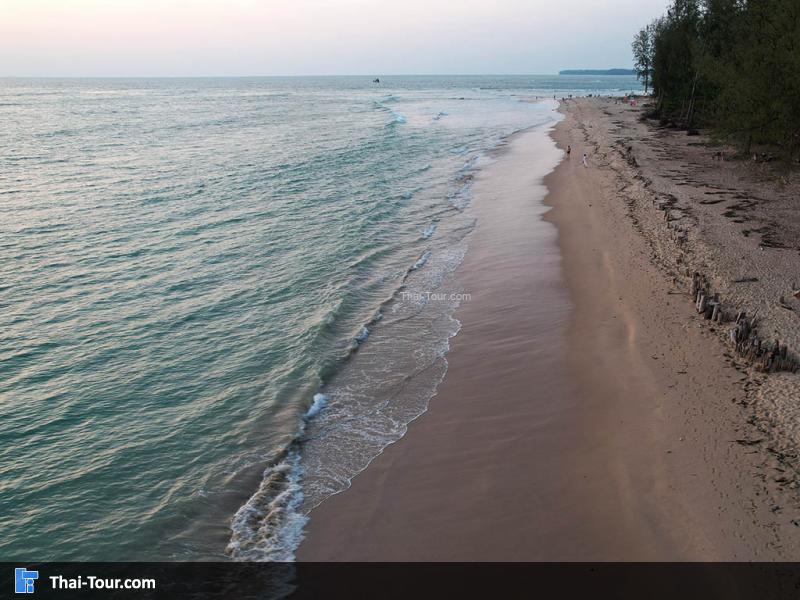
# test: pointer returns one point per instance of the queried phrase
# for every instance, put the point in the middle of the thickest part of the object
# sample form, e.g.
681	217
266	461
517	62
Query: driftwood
743	335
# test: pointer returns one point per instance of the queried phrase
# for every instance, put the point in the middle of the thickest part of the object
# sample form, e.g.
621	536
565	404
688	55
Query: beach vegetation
642	47
732	66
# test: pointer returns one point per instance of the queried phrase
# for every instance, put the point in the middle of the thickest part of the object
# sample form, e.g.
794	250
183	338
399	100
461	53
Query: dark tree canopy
732	65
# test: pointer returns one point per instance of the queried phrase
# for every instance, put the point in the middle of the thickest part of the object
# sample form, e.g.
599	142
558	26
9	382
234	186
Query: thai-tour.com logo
24	580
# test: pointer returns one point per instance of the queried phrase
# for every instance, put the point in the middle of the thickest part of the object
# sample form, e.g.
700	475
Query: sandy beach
588	412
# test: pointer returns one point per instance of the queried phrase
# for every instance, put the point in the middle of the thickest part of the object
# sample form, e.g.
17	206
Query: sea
221	298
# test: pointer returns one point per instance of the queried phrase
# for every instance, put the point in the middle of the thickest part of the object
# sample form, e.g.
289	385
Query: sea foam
320	401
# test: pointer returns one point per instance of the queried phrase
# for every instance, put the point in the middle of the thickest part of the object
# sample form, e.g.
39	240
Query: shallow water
186	263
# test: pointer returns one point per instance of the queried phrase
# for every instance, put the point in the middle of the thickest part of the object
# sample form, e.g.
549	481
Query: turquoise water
212	296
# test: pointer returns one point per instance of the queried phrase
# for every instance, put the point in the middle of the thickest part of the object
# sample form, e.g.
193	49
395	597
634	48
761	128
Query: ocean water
215	299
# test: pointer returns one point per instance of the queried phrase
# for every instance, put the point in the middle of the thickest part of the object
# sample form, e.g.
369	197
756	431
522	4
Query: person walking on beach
569	151
585	164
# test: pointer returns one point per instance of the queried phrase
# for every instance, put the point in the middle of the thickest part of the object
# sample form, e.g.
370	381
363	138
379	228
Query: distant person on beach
569	151
585	164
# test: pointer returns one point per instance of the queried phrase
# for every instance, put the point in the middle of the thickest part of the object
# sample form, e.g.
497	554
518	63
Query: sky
127	38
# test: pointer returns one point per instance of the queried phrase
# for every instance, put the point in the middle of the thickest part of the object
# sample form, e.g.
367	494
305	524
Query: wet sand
585	415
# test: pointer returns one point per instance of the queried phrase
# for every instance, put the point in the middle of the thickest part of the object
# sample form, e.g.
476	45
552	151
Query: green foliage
642	47
732	65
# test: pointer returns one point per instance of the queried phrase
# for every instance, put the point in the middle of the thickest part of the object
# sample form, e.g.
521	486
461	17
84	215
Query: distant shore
597	72
588	412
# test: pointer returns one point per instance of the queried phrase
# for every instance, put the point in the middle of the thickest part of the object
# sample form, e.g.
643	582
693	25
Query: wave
269	526
362	336
398	118
461	198
354	416
319	402
369	257
421	260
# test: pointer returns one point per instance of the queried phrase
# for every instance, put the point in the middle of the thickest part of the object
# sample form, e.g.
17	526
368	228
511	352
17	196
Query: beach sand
587	412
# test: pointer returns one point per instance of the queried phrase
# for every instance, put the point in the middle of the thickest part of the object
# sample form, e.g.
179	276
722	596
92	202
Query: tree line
729	65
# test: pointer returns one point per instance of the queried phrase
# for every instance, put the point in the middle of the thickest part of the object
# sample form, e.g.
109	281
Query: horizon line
294	75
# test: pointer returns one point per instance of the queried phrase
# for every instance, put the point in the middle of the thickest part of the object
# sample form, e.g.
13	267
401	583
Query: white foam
362	336
398	117
269	527
421	260
361	423
429	231
320	401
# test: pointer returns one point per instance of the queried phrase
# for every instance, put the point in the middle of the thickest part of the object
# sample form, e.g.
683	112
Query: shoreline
435	476
609	435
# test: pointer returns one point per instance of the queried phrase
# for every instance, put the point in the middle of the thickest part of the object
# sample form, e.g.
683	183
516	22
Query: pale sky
316	37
